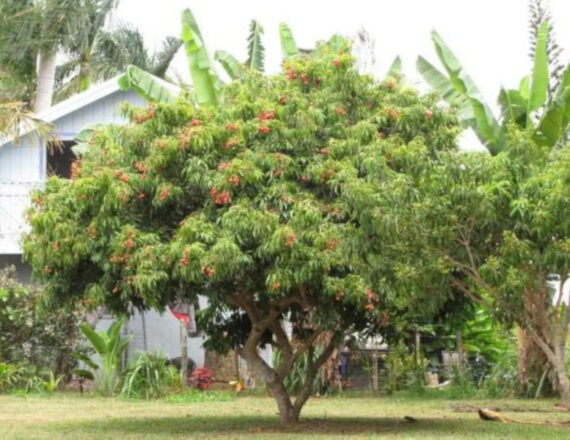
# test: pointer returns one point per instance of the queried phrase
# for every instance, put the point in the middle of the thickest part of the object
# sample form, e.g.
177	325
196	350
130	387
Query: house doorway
59	159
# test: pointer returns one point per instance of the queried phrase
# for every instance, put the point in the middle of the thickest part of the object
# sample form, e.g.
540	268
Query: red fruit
220	198
234	180
332	243
290	240
304	179
141	196
264	129
392	85
140	167
291	74
276	285
324	151
428	114
336	63
282	100
393	113
195	122
116	289
208	271
305	78
340	111
232	143
277	173
224	166
129	243
369	306
232	127
164	193
184	261
263	116
38	201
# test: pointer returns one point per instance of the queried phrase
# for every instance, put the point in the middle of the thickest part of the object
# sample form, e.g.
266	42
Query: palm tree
108	53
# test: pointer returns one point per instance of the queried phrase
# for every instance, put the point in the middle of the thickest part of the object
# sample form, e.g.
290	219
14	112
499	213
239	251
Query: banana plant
518	106
145	84
109	346
255	55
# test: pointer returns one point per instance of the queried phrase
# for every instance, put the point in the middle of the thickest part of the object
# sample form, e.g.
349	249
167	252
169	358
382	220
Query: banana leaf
146	85
288	44
233	67
204	78
395	69
538	92
255	49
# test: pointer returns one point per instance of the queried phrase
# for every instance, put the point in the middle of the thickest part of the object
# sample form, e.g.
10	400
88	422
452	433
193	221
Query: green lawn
72	417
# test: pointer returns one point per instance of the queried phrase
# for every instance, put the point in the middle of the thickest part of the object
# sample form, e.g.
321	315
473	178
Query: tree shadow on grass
225	425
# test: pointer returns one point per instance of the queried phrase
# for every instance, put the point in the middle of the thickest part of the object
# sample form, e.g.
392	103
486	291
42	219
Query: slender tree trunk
47	62
563	384
183	355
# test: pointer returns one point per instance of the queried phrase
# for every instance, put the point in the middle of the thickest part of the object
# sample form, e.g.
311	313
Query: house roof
79	101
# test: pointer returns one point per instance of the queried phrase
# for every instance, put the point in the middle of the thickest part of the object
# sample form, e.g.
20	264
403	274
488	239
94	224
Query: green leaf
83	137
485	125
202	72
453	66
146	85
288	46
439	82
395	69
539	82
85	359
486	128
233	67
97	341
255	49
513	107
83	373
555	120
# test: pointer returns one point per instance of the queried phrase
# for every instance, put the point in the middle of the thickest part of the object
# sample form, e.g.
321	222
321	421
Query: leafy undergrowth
96	418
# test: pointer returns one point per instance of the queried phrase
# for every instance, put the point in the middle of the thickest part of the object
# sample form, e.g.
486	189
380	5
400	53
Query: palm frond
15	118
161	60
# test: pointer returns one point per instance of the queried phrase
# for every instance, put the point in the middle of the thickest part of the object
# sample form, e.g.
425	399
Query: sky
490	37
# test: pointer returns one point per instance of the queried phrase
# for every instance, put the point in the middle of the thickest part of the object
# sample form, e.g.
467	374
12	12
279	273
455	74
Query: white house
27	164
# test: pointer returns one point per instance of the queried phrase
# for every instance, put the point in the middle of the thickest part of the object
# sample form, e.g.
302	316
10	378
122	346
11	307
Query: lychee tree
260	204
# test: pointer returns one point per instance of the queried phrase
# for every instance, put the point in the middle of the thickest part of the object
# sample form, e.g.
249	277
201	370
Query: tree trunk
532	360
563	384
47	61
183	355
287	413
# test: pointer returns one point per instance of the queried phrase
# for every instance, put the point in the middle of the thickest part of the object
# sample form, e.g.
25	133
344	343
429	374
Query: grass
72	417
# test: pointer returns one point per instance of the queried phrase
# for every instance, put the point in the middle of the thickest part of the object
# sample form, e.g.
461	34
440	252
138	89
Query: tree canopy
265	204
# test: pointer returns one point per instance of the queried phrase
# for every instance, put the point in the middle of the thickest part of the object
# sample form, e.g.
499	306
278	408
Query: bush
12	376
404	370
148	376
202	378
30	336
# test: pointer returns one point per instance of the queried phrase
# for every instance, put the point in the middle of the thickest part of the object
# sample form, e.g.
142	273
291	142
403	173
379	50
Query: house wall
23	165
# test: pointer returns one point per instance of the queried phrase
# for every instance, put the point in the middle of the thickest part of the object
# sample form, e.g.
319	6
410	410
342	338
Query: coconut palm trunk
47	62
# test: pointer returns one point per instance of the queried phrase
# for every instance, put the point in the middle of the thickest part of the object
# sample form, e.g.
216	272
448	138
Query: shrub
12	376
202	378
148	376
28	335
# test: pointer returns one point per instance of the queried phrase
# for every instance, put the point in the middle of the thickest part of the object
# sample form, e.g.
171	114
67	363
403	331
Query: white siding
105	110
23	166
